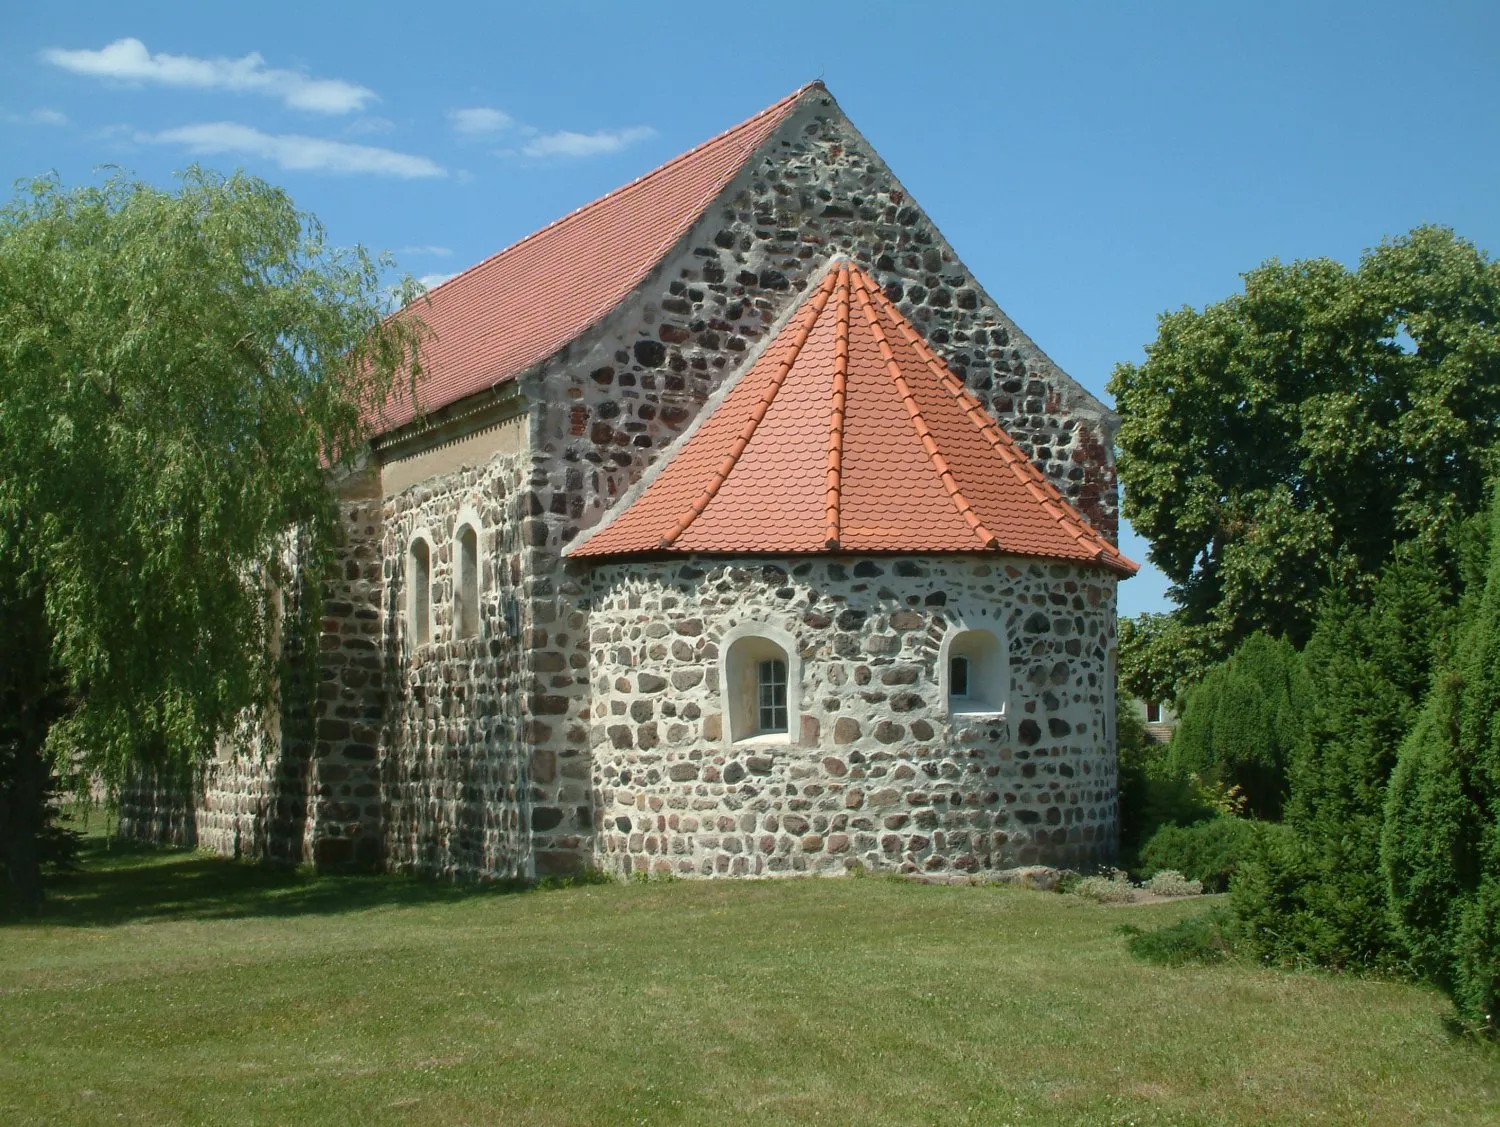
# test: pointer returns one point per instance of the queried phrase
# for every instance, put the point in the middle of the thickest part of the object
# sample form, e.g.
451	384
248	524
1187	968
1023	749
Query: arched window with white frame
760	675
419	591
974	671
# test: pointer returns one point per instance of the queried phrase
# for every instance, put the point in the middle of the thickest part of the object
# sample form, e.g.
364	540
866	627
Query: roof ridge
835	474
939	463
815	84
747	432
1036	483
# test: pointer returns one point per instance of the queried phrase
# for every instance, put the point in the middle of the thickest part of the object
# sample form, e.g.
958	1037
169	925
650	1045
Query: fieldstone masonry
878	771
607	405
582	726
455	765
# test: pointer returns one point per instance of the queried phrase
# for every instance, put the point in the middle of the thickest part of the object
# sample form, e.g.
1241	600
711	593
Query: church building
740	533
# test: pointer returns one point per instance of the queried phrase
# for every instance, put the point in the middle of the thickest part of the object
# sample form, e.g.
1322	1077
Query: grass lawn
168	987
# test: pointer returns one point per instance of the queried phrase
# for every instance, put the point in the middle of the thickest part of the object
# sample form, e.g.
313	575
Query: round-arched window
760	684
975	673
466	582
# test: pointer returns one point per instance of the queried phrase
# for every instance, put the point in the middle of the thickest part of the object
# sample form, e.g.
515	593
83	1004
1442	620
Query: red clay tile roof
519	306
850	434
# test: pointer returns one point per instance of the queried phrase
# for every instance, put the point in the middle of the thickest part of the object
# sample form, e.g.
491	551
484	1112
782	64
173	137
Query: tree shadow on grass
120	882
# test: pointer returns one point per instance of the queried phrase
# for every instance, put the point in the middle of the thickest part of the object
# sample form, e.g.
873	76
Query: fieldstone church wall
876	771
455	764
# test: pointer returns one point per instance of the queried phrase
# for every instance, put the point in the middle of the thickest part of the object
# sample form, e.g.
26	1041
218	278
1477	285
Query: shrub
1112	889
1137	755
1269	898
1318	893
1209	937
1210	851
1152	794
1169	882
1244	725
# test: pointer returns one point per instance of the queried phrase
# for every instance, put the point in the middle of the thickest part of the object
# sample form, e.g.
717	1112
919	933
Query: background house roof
519	306
849	433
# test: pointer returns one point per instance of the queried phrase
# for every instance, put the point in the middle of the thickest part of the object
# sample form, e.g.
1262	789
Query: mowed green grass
169	987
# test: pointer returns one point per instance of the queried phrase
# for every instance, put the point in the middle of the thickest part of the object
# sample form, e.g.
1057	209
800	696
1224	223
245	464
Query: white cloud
294	152
361	126
436	252
534	144
480	119
432	281
566	143
39	116
128	59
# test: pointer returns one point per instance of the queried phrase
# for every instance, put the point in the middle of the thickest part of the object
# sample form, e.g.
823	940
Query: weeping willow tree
179	371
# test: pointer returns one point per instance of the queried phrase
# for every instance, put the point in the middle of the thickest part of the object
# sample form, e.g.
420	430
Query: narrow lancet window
419	593
466	588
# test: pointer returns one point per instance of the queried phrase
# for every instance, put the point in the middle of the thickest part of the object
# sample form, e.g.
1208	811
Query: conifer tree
1243	725
1318	892
1441	843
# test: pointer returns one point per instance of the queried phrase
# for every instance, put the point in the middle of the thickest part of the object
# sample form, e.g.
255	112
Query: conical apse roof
849	434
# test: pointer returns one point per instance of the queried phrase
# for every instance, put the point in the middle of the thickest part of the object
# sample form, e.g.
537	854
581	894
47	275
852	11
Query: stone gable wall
606	408
456	770
877	773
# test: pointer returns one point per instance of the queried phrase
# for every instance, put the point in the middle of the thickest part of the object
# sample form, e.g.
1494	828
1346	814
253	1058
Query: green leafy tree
179	372
1441	843
1160	656
1245	723
1286	438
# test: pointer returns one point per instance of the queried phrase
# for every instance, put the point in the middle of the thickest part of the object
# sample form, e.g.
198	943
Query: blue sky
1094	164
